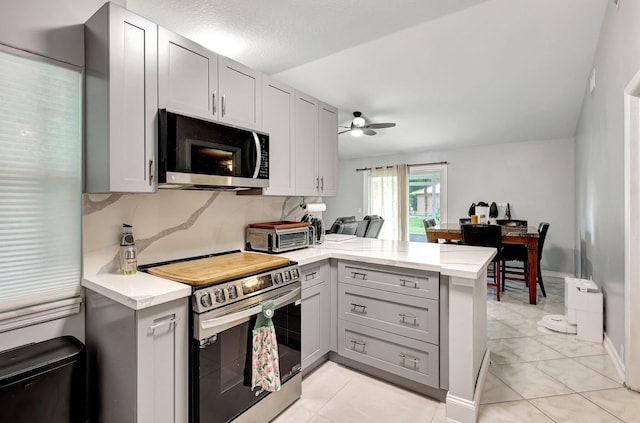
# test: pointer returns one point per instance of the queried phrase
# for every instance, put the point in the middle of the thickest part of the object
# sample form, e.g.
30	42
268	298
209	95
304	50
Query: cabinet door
278	103
327	152
315	323
121	101
240	94
307	179
188	76
162	363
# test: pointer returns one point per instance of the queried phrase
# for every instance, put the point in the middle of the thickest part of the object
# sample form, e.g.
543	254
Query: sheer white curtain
389	199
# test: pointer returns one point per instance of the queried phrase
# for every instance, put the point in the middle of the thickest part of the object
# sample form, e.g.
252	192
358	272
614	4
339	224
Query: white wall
600	163
536	178
52	28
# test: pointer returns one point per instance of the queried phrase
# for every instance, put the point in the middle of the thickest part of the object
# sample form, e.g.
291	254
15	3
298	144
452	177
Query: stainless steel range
228	292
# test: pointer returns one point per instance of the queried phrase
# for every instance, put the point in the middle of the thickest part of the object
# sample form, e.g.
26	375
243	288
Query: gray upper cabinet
121	101
198	82
240	90
278	104
188	76
327	150
307	181
316	147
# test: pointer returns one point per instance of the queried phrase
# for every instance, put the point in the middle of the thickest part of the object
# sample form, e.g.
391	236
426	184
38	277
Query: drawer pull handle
311	275
409	361
404	317
357	344
408	283
358	275
167	322
358	308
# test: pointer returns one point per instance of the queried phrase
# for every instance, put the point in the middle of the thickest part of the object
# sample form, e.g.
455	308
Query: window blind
40	181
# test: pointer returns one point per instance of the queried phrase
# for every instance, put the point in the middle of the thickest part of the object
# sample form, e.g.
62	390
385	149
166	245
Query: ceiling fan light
356	132
358	122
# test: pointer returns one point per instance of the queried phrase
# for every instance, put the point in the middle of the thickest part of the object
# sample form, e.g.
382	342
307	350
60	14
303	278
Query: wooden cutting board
218	268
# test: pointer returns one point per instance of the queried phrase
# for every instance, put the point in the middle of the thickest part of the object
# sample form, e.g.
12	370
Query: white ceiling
450	73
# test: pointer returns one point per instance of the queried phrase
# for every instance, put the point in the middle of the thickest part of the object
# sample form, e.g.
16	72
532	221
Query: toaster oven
278	237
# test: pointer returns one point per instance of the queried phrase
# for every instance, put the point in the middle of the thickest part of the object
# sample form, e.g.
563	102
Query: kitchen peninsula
450	278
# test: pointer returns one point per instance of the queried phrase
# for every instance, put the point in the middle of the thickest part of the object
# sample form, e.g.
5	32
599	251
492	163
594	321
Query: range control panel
225	293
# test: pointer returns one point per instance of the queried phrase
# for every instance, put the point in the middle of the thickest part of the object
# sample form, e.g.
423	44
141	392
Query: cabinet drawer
396	354
405	315
403	281
311	275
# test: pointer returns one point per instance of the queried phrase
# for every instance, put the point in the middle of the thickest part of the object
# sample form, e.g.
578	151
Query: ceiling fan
360	126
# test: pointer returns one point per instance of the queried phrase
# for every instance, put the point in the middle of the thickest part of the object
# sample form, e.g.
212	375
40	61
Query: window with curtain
40	183
387	189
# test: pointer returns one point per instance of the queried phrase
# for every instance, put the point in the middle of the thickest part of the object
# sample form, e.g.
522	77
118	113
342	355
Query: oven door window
221	371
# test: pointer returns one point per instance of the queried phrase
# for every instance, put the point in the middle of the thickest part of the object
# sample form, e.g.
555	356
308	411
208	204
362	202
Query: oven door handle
250	311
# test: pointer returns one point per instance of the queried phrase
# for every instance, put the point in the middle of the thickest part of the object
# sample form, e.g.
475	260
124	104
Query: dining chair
428	223
486	236
519	253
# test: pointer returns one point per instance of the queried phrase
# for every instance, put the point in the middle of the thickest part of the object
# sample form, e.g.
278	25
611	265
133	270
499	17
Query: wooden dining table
528	238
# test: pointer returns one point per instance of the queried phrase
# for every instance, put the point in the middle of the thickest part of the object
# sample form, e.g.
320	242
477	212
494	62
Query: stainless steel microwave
199	154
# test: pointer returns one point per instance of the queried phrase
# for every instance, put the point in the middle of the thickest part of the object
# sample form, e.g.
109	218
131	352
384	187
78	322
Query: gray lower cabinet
389	318
316	301
137	361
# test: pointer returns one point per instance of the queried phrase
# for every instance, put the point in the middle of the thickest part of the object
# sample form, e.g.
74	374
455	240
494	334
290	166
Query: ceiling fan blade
380	125
342	132
369	132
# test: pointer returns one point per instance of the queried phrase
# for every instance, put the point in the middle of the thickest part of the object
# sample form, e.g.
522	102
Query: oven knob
286	275
295	273
278	278
233	292
219	293
205	300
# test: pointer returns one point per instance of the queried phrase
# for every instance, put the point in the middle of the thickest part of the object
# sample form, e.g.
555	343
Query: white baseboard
555	274
615	358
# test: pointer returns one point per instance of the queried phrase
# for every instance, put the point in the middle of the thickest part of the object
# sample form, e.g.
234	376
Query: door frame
632	232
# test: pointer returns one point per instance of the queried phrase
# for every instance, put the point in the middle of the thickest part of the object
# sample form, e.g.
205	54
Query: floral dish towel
265	362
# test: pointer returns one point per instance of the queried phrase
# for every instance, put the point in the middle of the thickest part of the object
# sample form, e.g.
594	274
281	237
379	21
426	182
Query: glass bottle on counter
128	253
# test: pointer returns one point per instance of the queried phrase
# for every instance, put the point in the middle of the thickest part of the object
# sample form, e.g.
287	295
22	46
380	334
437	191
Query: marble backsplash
174	224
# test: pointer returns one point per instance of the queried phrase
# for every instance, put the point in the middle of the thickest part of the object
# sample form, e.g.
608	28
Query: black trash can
43	382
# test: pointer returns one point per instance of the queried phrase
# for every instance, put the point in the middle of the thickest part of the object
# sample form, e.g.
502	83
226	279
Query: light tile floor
535	376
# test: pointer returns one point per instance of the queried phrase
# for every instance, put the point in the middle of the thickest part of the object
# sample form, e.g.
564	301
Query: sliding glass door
427	198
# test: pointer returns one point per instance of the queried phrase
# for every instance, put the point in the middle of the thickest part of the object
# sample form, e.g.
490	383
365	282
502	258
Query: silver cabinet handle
409	361
358	308
309	276
224	108
405	316
322	183
358	275
406	282
213	103
317	183
167	322
151	171
357	344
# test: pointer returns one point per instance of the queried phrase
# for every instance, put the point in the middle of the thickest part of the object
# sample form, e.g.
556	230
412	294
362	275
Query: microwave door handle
258	155
250	311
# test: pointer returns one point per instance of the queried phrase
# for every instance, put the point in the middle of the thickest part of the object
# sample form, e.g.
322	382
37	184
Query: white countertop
451	260
143	290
